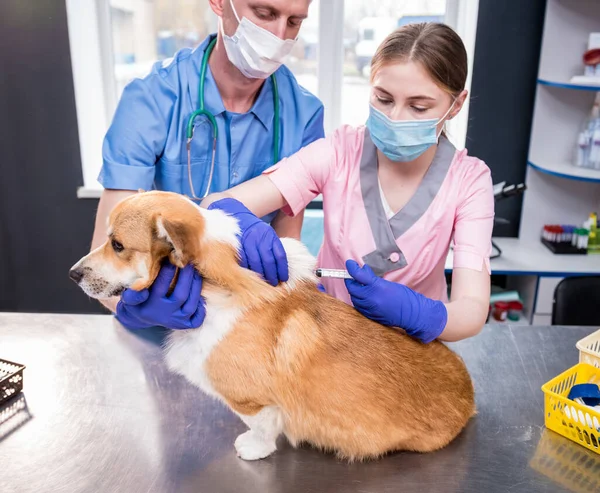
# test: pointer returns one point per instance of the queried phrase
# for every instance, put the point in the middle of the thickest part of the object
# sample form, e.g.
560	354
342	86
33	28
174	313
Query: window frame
92	62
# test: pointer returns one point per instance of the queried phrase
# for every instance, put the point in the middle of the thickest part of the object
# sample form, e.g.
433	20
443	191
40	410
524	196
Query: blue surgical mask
402	140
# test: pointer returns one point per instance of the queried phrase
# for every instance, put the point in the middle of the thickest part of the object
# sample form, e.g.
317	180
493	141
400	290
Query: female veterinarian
206	120
395	193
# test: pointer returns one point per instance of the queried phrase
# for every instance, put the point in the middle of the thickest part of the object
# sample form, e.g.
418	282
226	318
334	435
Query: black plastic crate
11	379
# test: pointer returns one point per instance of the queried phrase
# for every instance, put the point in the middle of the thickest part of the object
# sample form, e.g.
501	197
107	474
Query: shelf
521	257
566	170
568	85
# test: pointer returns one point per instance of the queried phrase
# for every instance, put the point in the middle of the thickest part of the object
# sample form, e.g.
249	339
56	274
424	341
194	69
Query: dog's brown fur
343	382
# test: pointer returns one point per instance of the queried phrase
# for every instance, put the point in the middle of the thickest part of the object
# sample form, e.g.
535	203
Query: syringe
335	273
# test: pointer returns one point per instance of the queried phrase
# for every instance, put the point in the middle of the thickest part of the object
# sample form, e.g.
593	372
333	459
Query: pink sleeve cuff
288	188
467	258
302	176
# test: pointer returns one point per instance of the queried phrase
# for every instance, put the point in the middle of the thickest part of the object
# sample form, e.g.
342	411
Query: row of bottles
588	143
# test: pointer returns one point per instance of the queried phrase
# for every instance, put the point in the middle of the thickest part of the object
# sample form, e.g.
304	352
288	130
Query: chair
577	301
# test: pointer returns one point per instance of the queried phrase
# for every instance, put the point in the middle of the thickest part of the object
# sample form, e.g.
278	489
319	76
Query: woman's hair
435	46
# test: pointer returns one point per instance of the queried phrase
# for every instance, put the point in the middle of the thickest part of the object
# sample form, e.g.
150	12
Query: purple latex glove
183	309
262	251
394	304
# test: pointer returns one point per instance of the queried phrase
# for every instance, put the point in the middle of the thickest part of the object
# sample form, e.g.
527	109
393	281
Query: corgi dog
287	359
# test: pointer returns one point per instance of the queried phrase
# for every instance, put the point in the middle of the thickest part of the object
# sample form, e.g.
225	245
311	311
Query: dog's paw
251	446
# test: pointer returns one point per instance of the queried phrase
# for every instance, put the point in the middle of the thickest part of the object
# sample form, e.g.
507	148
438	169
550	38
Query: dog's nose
76	275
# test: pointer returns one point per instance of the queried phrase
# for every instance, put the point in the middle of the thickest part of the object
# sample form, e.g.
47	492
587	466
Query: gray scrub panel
384	231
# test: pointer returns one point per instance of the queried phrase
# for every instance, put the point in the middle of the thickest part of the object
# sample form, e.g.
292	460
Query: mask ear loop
235	12
443	118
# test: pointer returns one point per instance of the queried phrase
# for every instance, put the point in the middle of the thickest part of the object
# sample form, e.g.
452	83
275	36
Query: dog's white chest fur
187	351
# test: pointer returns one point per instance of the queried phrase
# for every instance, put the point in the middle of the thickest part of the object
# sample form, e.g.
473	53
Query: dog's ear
178	237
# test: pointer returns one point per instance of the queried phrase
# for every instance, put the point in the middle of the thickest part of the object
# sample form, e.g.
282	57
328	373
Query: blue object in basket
589	393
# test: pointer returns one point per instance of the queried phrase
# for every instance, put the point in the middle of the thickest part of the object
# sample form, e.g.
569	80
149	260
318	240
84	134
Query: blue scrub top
145	146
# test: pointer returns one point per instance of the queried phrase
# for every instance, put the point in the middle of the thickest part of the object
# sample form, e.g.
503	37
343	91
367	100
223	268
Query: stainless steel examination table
101	413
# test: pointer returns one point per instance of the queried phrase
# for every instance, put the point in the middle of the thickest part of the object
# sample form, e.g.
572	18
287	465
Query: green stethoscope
211	118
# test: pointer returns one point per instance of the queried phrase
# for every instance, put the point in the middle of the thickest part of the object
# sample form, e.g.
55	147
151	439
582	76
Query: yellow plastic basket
589	349
568	418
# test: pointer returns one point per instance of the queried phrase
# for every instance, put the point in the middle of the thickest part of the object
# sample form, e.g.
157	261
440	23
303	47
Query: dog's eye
117	247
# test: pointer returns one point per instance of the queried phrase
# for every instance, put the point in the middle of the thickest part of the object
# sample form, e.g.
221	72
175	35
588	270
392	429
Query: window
366	25
114	41
143	32
366	34
303	61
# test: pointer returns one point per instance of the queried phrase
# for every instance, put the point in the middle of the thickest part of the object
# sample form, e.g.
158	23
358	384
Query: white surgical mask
256	52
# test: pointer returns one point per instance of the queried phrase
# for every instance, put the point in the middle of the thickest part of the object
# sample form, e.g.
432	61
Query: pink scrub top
454	202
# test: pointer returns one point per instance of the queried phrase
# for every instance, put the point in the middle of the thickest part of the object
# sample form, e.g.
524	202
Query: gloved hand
394	304
262	251
321	288
183	309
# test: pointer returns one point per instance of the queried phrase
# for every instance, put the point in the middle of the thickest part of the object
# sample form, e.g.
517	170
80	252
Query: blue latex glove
321	288
183	309
262	251
394	304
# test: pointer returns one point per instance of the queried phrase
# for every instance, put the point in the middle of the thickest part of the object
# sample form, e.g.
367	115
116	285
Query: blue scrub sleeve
137	135
314	129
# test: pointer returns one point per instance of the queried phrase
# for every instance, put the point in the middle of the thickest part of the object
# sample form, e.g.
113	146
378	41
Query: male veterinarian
202	122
